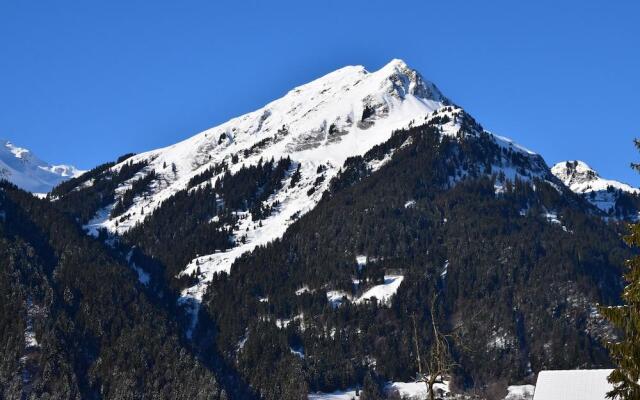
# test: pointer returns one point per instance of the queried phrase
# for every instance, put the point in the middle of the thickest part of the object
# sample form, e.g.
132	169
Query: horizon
140	91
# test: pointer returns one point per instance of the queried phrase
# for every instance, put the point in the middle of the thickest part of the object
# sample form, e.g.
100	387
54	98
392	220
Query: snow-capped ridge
22	168
325	121
602	193
581	178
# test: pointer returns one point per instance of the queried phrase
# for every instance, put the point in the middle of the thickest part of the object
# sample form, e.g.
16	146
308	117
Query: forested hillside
517	268
77	323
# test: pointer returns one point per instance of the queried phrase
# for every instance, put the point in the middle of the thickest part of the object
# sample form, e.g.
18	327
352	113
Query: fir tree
626	353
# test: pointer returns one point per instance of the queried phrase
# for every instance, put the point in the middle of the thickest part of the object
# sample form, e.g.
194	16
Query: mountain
318	126
308	245
22	168
614	198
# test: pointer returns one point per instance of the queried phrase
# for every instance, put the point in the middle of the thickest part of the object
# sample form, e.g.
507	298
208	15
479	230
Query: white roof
584	384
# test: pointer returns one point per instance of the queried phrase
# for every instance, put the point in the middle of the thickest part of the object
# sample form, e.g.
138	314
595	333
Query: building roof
581	384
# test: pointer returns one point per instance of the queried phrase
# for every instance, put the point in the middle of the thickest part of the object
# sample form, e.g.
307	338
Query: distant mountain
22	168
614	198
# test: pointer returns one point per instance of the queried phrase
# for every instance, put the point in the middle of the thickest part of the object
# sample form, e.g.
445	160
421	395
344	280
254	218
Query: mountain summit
610	196
22	168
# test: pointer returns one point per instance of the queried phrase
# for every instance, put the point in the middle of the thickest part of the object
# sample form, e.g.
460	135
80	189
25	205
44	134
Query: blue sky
85	81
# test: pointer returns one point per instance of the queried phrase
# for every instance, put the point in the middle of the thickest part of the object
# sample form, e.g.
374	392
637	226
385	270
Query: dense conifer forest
77	324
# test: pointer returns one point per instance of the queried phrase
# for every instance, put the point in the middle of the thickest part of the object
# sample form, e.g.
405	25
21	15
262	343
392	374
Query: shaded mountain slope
76	323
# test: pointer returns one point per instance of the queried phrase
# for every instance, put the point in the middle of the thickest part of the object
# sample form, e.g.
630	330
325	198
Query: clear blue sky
84	81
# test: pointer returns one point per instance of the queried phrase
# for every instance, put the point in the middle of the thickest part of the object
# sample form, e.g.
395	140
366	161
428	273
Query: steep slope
20	167
615	198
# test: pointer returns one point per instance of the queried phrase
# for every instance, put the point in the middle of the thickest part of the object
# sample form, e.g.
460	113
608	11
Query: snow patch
552	217
418	390
383	292
143	276
302	290
520	392
337	297
349	394
406	390
361	261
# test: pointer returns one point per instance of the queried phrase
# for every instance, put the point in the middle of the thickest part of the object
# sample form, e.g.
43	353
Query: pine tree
626	353
370	389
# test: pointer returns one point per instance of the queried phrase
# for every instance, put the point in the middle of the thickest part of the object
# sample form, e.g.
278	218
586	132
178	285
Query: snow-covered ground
418	391
337	297
408	390
581	178
520	392
143	276
337	395
384	291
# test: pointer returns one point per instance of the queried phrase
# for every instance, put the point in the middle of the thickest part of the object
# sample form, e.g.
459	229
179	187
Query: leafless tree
439	362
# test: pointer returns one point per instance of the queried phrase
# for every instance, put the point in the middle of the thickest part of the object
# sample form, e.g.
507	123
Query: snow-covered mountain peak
339	115
612	197
581	178
21	167
395	79
574	172
406	80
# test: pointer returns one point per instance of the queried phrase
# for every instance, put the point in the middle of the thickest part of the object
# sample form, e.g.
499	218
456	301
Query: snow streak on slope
20	167
581	178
